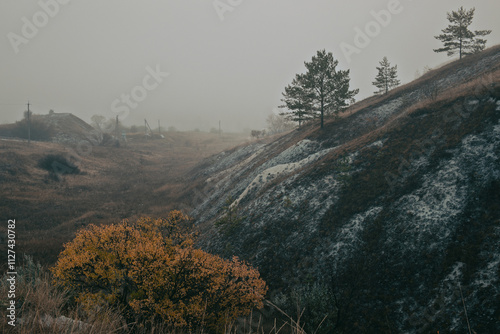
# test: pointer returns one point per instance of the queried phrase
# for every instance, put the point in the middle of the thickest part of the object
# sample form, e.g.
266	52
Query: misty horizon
191	65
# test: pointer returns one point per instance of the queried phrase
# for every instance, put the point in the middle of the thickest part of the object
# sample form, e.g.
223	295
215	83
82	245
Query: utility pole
220	132
117	128
29	124
159	128
146	124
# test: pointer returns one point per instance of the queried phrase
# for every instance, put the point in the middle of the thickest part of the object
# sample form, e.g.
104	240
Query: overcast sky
190	65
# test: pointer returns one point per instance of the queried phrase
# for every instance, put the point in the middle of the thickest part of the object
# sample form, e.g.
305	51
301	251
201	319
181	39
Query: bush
150	271
57	165
106	139
38	130
230	220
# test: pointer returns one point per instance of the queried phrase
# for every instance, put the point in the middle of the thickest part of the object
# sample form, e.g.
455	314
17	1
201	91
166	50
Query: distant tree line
32	127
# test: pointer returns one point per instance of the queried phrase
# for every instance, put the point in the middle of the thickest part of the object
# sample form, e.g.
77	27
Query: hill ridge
392	188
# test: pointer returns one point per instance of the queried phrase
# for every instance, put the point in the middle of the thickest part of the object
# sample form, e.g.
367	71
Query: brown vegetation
149	271
45	308
142	177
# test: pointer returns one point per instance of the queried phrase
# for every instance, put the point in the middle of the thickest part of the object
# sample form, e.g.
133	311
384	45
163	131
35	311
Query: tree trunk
460	48
322	112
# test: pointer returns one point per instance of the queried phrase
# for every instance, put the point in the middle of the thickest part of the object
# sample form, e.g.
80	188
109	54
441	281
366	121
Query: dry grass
43	308
143	177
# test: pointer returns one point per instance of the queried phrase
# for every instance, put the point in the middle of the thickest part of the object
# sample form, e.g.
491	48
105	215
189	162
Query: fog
192	64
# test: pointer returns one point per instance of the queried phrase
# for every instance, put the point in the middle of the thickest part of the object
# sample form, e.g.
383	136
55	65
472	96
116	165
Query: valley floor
139	178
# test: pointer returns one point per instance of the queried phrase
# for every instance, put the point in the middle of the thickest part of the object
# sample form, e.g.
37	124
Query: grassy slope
141	178
284	249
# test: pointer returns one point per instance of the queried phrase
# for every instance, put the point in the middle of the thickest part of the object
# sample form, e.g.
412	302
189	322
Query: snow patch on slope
349	236
229	171
282	169
487	276
224	161
387	109
430	212
297	152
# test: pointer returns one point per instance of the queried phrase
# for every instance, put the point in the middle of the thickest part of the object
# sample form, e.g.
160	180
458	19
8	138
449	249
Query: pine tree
330	87
458	38
386	78
298	100
322	89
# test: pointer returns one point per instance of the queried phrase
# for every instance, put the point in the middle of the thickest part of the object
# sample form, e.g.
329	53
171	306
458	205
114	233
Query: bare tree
98	121
278	123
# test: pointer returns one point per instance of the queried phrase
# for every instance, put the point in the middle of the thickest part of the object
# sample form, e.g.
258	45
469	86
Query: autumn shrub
149	271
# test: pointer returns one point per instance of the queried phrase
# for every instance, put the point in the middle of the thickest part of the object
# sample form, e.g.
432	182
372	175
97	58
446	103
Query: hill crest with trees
381	212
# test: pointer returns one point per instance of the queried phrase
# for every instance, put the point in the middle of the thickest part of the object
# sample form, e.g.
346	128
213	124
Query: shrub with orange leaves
151	270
